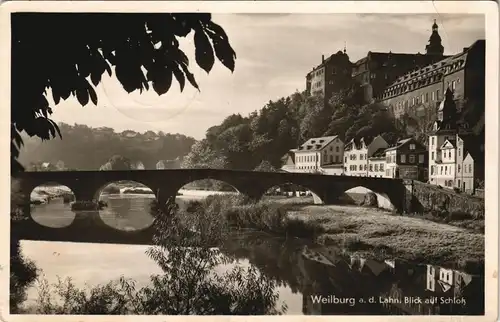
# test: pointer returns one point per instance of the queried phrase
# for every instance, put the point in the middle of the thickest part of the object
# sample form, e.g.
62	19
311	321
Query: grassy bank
368	232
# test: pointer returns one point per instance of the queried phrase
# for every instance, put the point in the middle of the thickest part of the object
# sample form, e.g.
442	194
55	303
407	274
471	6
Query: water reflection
328	282
332	284
127	212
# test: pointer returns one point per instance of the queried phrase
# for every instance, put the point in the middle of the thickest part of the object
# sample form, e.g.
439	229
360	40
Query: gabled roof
380	153
399	144
449	144
316	144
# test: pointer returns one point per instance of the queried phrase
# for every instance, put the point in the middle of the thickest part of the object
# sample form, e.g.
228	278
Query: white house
376	164
318	152
356	155
445	170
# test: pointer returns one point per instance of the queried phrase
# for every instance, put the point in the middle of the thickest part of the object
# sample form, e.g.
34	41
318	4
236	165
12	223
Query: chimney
322	58
465	49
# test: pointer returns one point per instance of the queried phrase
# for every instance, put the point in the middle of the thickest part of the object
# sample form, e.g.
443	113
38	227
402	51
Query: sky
274	54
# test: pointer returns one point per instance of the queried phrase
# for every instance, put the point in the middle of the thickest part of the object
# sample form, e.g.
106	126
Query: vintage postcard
249	159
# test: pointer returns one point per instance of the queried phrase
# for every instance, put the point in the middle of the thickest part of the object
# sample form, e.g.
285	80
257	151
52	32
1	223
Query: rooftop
457	61
316	144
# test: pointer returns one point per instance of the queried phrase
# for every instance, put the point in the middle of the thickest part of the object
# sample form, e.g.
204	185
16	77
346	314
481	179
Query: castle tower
434	47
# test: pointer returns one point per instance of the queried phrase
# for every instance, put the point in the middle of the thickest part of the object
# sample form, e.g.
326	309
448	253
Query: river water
310	279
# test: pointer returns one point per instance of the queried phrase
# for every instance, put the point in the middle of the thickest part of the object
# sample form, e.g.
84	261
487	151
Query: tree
118	162
70	61
265	166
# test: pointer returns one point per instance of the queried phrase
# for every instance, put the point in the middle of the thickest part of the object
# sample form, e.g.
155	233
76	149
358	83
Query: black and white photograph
196	159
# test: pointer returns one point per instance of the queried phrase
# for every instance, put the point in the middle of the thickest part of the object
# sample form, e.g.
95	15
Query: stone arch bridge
87	185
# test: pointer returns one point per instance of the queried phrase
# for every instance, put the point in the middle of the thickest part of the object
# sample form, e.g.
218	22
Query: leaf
82	95
225	53
179	75
95	78
223	49
162	80
203	51
55	96
190	77
93	95
56	127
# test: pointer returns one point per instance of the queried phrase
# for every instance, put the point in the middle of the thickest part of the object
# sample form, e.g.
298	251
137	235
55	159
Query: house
357	153
168	164
407	159
456	153
376	164
315	153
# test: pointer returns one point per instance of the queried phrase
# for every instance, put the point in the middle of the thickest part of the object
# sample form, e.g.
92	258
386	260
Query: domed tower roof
434	47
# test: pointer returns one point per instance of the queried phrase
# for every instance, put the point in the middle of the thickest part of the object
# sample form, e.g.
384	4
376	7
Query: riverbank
378	234
368	232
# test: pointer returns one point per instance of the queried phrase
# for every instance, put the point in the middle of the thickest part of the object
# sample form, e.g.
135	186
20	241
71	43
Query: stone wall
441	201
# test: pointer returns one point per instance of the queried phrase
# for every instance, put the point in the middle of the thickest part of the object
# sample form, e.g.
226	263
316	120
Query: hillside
86	148
245	142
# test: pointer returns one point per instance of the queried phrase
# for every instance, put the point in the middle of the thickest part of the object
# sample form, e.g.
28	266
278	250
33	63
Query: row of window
443	169
307	167
377	167
407	88
354	167
314	158
411	158
353	157
317	84
307	158
445	155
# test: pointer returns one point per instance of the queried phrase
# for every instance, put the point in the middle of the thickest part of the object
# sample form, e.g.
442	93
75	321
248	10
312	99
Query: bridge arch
201	188
49	205
291	189
389	196
127	205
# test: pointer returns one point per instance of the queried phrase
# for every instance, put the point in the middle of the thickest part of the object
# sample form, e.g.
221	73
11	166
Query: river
311	279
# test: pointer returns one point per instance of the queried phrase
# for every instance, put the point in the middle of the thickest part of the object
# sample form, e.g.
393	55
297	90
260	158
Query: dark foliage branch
69	53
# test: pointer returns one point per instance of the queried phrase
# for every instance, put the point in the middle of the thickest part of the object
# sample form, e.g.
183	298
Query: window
412	146
337	148
361	156
432	140
381	167
458	168
331	158
432	169
459	152
470	168
432	96
371	167
449	154
437	94
441	167
345	159
412	101
427	97
458	80
412	158
453	85
421	158
445	169
403	158
331	148
337	159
